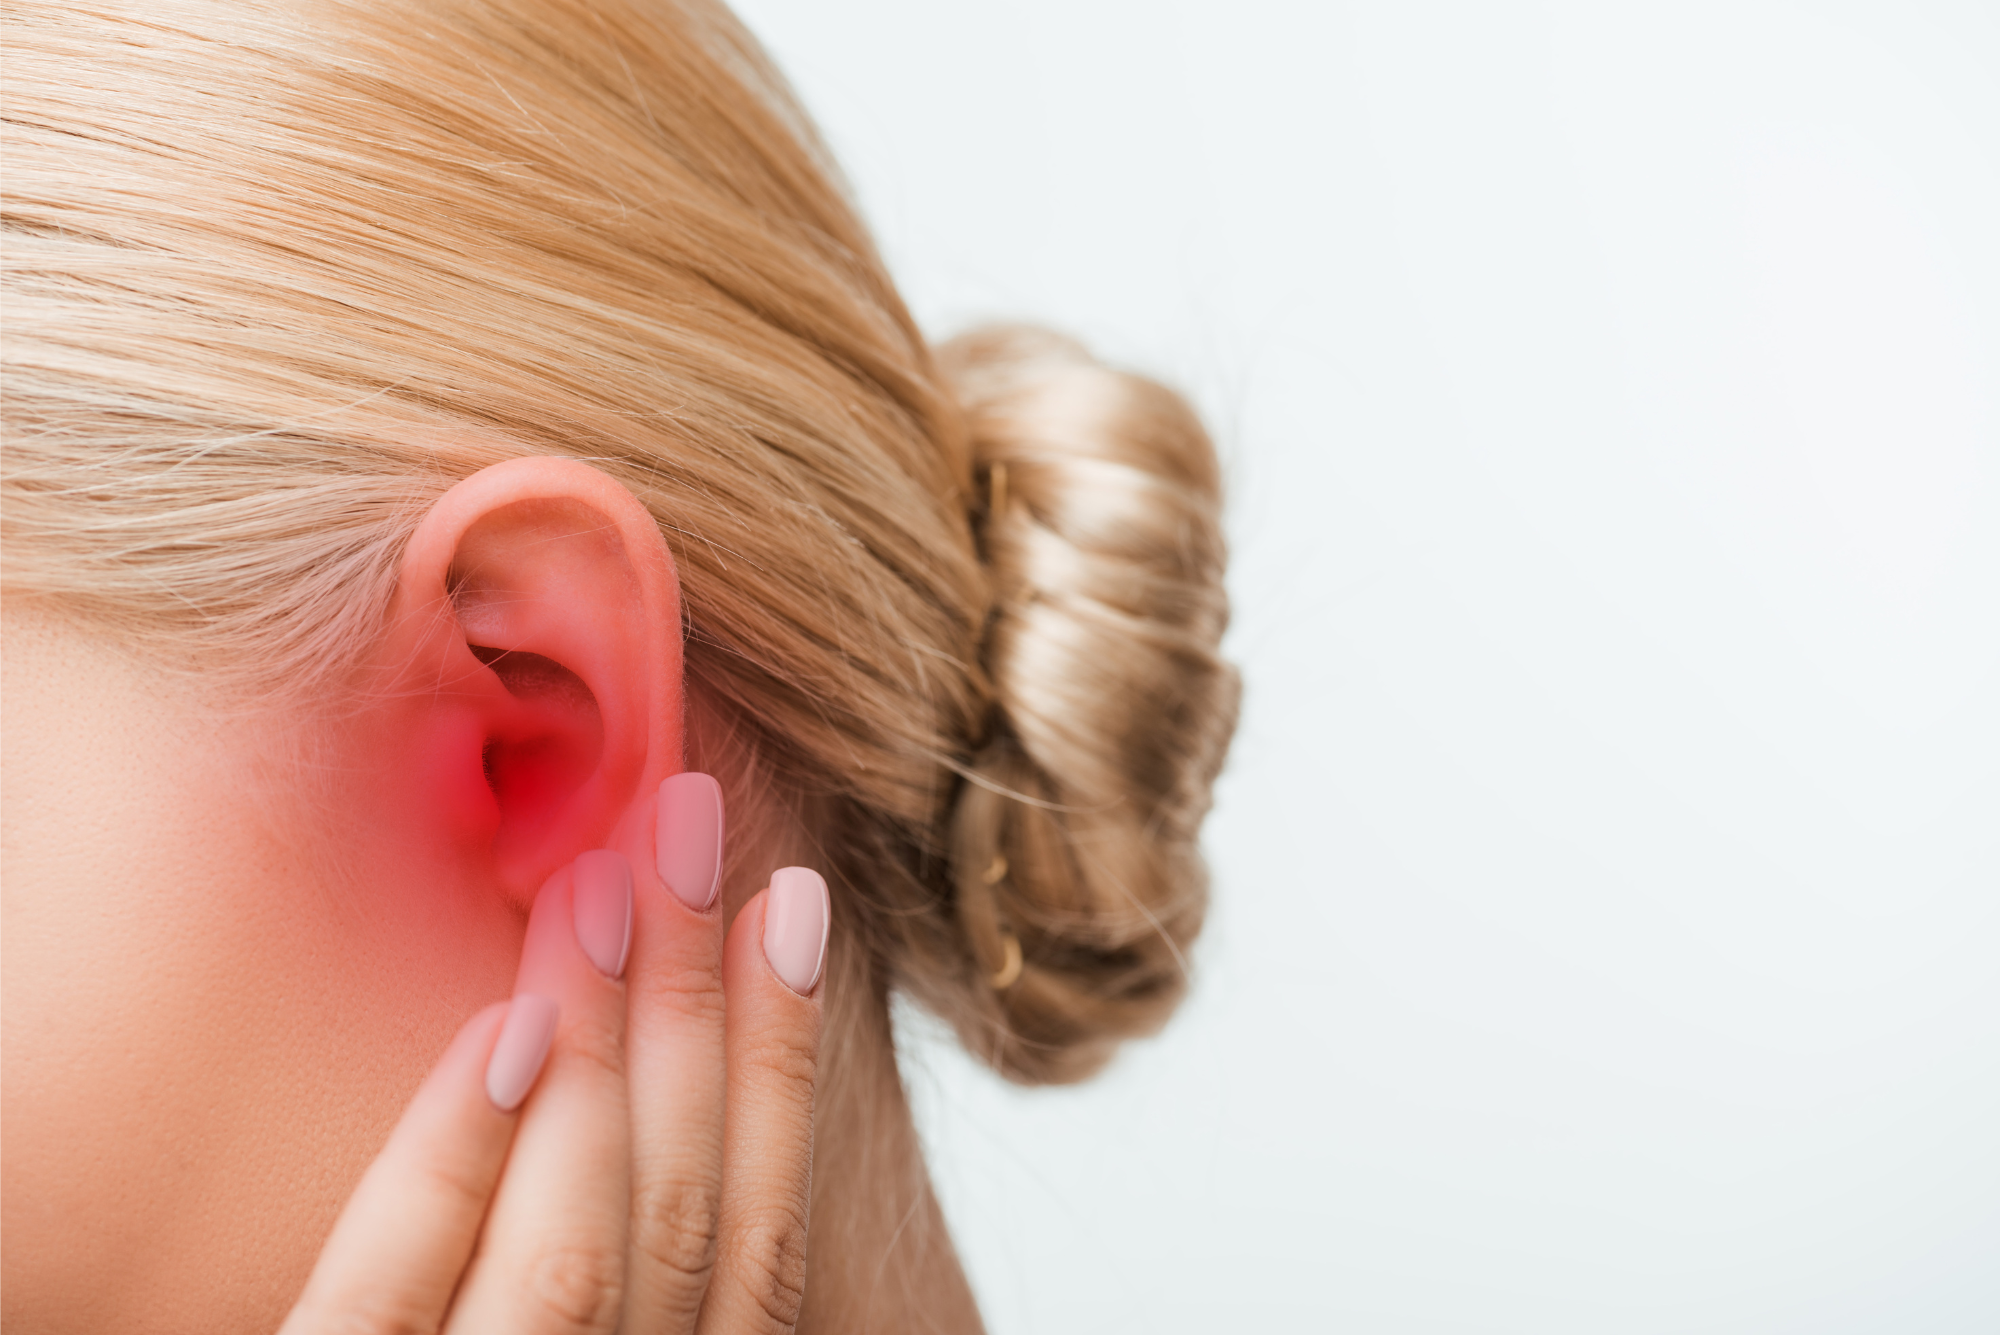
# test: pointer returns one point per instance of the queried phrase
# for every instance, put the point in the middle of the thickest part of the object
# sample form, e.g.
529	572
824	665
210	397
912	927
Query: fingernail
688	840
795	924
602	904
523	1047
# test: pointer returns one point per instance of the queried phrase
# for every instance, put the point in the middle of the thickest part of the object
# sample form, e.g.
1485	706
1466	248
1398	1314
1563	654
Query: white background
1607	931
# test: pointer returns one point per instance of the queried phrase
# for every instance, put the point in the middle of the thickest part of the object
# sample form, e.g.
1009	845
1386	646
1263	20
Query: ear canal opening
535	761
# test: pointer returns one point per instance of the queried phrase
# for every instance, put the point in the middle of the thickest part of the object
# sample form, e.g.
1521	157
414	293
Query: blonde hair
280	275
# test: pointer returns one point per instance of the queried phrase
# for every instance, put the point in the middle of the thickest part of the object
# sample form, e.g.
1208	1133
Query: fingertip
798	919
521	1050
687	845
482	1031
601	904
470	1049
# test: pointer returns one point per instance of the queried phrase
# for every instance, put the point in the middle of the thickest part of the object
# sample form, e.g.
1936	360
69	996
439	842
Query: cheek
213	1020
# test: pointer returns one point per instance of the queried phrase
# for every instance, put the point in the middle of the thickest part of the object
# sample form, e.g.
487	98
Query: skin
237	942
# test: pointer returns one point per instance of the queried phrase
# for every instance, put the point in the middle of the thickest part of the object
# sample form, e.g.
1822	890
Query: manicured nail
602	904
523	1047
688	840
795	925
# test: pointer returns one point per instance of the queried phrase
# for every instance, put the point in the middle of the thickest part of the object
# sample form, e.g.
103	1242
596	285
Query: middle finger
676	1051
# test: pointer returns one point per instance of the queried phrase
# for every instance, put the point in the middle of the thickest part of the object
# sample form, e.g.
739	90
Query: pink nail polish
796	919
601	901
688	839
522	1048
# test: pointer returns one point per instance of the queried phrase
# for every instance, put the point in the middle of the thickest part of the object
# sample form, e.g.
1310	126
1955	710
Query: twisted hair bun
1077	878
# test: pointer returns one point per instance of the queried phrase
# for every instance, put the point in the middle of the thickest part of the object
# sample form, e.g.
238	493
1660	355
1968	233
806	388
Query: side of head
281	278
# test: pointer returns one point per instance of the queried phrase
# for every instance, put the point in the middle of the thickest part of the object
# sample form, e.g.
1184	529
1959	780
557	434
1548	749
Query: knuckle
768	1256
600	1045
783	1055
675	1225
692	992
575	1289
463	1186
365	1314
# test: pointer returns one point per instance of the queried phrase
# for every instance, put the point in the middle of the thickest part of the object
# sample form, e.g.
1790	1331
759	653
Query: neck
878	1256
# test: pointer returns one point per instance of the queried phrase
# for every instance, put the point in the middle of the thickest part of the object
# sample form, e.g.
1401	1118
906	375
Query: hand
612	1193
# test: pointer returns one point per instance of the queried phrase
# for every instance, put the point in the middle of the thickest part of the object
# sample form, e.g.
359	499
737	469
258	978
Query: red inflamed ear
535	646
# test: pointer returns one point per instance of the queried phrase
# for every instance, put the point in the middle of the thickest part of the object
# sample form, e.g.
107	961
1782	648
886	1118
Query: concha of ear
1079	882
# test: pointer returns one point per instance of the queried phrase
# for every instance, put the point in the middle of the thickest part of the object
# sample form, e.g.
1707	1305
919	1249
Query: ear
535	637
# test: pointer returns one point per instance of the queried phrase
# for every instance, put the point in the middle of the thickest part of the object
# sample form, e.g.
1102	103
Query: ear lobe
537	630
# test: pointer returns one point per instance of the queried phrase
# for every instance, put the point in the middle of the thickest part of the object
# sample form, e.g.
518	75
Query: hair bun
1078	878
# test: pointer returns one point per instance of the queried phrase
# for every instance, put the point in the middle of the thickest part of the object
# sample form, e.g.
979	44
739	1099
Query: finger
771	967
400	1245
551	1258
675	1049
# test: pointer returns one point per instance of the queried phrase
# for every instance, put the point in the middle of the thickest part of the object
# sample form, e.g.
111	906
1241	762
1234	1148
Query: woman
438	436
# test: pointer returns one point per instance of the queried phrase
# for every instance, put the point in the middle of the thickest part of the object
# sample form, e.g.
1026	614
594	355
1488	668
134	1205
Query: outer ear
535	637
